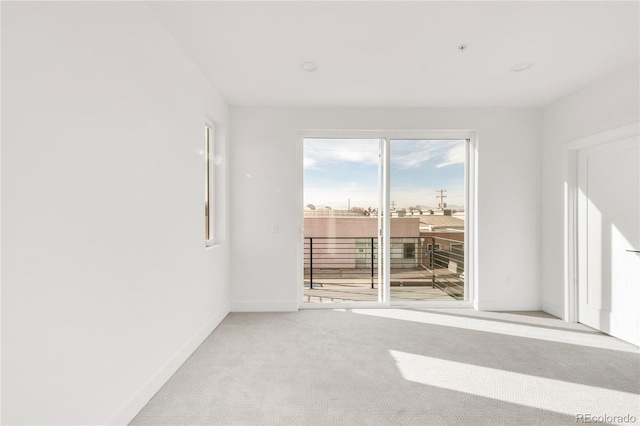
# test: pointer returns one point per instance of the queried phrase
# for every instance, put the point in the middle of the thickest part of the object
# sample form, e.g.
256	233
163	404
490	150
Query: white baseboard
264	306
555	310
507	305
125	414
418	304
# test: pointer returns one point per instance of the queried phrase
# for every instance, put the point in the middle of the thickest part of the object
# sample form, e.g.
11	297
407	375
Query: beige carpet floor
401	367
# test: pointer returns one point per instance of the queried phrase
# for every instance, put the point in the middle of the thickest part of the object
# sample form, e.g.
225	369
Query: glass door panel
341	205
427	215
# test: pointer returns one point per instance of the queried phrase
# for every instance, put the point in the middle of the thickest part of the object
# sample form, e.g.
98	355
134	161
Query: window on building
409	250
208	185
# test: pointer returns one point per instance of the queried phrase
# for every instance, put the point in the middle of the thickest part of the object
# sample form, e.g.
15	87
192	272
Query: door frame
571	150
471	209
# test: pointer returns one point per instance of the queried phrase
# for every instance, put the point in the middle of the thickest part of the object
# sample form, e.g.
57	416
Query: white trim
508	305
570	151
211	184
283	306
570	310
471	217
343	305
552	309
394	305
386	219
389	134
129	410
612	135
299	196
471	282
432	304
381	223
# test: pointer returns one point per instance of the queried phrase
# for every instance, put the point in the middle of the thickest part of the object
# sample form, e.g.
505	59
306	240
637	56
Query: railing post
372	263
310	263
432	262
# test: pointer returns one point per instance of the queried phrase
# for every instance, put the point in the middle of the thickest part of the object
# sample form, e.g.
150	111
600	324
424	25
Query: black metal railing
445	260
414	261
340	258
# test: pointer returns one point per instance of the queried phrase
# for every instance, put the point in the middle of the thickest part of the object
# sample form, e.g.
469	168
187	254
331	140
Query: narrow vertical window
208	185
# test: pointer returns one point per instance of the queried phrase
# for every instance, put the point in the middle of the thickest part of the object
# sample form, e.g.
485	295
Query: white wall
266	176
106	284
606	104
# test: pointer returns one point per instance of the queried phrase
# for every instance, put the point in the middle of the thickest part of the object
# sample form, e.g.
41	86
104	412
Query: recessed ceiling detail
309	66
521	66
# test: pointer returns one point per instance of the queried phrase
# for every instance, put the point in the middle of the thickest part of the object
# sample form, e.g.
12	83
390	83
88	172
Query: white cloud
329	151
308	162
406	154
352	186
412	154
334	162
455	155
413	160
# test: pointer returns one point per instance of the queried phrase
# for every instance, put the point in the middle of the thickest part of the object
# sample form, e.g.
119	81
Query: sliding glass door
384	220
427	210
341	209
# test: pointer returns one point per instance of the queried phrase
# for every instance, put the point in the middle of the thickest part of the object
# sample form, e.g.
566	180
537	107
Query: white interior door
608	236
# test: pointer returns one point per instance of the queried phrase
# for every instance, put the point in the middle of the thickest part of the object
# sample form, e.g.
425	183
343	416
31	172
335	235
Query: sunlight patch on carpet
516	388
568	336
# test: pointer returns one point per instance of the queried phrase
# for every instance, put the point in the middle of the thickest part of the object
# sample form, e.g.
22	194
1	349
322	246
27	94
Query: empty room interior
320	212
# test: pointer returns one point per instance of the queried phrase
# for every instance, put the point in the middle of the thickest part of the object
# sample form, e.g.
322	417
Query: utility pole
393	205
442	197
349	204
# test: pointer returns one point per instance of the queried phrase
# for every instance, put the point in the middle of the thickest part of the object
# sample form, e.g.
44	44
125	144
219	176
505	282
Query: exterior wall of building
358	227
442	237
350	242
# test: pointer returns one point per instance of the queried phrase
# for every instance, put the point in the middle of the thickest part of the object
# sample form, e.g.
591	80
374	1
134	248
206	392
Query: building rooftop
434	222
332	213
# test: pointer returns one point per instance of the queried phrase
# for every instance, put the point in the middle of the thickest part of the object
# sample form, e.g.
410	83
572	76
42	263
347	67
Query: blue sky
336	170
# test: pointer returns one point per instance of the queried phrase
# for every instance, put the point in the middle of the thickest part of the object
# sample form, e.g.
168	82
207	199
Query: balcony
345	269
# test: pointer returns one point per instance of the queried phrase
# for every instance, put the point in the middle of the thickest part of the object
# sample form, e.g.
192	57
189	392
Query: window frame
209	184
471	207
